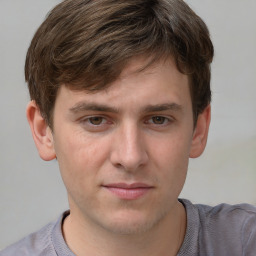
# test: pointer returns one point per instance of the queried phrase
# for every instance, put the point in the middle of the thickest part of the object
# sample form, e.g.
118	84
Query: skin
139	130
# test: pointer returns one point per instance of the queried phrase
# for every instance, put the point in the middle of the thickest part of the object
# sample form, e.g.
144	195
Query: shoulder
36	244
223	229
233	214
232	221
241	216
226	210
233	226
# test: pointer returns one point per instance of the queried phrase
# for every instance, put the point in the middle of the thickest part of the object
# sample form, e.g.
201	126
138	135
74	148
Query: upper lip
128	186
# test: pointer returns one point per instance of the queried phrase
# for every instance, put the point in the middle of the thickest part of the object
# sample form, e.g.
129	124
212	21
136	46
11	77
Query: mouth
128	191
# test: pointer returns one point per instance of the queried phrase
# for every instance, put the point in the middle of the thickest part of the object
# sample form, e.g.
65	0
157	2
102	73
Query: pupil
158	119
96	120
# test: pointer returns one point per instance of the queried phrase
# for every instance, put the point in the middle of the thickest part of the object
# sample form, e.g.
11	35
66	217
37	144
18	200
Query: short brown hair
85	44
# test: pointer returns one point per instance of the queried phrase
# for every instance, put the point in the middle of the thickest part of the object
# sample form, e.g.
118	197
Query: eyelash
105	122
165	120
97	119
89	121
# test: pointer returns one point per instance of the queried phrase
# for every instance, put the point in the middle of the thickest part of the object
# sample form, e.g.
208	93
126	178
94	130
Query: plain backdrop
31	190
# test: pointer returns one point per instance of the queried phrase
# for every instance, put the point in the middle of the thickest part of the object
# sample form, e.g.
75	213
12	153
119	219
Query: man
120	96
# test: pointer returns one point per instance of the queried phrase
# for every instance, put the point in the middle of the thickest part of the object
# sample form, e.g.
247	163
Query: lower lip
128	193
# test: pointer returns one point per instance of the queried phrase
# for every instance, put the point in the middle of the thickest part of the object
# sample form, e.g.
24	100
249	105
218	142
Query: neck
165	238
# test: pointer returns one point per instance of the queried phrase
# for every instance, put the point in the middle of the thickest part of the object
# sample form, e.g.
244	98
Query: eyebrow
83	106
163	107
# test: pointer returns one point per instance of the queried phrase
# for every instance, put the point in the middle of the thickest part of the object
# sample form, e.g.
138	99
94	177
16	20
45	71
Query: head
86	44
120	94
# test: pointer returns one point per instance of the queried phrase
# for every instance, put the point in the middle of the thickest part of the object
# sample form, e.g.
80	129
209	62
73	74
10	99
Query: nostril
118	165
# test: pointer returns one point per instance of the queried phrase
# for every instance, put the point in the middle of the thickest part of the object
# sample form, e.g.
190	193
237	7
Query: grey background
31	190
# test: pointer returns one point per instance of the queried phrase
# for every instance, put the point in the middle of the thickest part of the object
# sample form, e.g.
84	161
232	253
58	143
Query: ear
41	132
200	133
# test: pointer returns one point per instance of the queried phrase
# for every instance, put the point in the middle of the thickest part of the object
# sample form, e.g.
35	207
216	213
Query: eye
159	120
95	123
96	120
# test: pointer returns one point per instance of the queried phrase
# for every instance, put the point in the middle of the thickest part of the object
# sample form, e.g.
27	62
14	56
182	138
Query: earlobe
41	132
200	135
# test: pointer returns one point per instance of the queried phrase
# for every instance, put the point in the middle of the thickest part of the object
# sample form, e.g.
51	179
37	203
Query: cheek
171	159
172	150
80	157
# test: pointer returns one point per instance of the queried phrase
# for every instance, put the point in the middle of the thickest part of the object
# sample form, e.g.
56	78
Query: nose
128	148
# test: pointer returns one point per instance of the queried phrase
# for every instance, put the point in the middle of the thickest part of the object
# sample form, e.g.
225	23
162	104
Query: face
123	152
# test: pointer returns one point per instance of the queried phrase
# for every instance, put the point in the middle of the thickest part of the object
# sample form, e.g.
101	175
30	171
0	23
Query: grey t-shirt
223	230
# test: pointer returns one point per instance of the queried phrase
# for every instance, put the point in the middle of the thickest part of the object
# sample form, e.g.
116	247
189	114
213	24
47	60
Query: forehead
137	86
